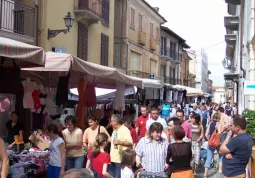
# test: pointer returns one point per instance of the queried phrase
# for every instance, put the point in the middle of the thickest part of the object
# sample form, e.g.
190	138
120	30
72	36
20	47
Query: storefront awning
23	54
190	91
104	77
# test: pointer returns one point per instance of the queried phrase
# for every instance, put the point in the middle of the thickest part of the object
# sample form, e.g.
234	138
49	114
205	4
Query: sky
201	24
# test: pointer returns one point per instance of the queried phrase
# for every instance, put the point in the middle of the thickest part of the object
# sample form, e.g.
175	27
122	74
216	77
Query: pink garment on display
4	105
28	101
36	97
90	99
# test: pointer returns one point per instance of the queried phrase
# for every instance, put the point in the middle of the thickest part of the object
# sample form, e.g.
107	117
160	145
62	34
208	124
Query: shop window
132	16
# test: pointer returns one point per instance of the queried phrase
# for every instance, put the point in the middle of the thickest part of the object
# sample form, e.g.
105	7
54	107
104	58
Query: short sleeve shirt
99	161
12	131
55	154
159	120
141	124
240	148
123	135
187	129
134	135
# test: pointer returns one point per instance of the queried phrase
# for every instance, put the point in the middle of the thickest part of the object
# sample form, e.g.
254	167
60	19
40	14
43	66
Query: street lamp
68	19
226	63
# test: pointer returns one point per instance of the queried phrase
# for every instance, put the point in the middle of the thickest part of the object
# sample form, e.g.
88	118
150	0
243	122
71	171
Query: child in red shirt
98	157
128	123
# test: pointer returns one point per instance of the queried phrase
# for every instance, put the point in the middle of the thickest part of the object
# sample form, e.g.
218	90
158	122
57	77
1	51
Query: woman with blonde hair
213	125
98	159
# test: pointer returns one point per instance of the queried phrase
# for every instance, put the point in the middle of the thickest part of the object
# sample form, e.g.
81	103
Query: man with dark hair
228	109
78	173
237	150
155	118
185	125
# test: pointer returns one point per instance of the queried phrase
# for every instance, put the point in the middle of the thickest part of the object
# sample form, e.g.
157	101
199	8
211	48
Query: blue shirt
165	109
240	148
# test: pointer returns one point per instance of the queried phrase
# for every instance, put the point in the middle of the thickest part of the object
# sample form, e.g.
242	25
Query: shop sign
249	87
152	76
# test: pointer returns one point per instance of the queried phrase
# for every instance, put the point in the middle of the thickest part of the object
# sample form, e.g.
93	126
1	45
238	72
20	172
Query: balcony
230	39
17	21
153	44
172	80
231	23
231	9
88	11
234	2
230	51
142	38
169	54
141	74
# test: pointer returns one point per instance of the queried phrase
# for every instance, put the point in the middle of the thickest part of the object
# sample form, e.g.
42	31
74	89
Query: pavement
213	173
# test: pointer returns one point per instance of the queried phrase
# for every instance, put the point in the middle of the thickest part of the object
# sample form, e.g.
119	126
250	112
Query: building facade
219	94
137	38
202	70
240	43
185	74
18	20
171	49
91	36
192	68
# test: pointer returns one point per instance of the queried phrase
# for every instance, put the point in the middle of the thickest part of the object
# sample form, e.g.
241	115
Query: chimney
156	8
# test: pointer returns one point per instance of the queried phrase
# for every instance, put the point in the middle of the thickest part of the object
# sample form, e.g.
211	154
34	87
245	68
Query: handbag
214	140
96	175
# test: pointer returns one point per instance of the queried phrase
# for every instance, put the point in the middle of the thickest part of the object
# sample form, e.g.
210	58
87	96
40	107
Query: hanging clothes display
42	98
90	99
28	101
156	94
175	96
169	96
119	101
50	102
36	97
62	90
149	92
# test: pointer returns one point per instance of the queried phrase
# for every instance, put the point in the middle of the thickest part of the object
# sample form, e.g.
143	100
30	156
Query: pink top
187	129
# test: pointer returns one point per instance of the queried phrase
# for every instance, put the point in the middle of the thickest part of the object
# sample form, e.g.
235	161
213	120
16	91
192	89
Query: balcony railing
16	17
172	81
89	8
141	74
168	52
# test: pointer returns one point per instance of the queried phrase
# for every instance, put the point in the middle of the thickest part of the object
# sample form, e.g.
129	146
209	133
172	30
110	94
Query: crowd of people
151	145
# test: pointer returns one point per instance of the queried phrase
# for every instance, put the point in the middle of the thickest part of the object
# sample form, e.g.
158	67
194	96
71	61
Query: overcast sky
201	24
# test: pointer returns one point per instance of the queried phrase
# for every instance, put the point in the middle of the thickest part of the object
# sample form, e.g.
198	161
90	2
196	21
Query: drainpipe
121	32
37	24
241	39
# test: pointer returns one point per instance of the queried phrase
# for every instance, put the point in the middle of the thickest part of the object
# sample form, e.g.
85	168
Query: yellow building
137	38
185	77
92	33
18	20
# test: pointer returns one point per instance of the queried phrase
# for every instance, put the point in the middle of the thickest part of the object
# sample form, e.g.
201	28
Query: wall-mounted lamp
68	23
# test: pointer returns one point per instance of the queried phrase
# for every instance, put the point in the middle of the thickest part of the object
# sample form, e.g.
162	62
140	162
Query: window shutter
82	50
105	11
104	49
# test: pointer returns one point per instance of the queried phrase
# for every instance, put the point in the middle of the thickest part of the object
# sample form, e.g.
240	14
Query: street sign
249	87
152	76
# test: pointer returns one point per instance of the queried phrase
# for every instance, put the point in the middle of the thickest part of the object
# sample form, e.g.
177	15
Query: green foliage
250	116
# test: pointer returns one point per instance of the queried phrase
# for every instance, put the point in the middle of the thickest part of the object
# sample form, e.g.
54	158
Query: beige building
192	68
18	20
91	36
137	38
185	76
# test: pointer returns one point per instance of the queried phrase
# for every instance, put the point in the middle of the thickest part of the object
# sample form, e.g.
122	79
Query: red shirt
141	124
99	161
133	135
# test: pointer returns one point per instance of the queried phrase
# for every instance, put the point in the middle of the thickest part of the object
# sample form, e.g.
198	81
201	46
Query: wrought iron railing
94	6
17	17
172	81
141	74
168	52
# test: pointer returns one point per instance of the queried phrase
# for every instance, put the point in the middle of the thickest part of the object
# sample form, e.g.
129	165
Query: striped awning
22	54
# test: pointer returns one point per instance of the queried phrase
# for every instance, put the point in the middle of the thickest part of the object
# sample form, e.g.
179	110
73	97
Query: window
104	49
136	61
151	30
132	16
171	49
157	35
140	22
105	11
82	51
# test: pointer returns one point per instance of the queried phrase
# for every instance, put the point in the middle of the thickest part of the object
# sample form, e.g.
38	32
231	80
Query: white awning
23	54
190	91
104	77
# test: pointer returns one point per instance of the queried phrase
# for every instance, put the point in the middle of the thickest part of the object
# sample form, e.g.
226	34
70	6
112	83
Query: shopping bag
214	140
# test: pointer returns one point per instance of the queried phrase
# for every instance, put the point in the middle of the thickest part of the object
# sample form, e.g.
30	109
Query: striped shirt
153	154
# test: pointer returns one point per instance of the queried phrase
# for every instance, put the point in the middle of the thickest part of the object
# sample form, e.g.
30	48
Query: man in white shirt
155	118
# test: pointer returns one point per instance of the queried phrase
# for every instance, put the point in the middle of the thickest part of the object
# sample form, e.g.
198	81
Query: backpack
214	140
96	175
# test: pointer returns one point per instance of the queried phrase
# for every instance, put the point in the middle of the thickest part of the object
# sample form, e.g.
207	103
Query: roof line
154	10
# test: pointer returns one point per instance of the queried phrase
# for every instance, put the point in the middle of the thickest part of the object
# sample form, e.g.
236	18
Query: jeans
114	170
209	157
76	162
